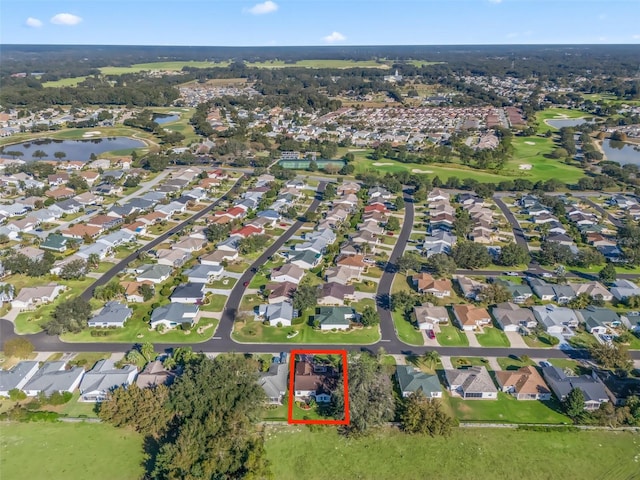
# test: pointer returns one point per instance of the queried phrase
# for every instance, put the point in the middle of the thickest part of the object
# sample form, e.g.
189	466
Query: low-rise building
561	384
524	384
471	383
412	381
103	378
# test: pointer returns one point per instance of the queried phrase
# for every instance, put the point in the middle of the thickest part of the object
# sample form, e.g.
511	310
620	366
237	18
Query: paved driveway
473	341
516	340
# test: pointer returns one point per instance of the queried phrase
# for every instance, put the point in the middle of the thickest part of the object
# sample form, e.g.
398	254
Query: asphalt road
122	264
511	218
602	211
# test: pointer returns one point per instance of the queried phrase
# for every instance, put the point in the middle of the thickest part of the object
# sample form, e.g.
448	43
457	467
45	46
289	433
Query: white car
547	275
513	274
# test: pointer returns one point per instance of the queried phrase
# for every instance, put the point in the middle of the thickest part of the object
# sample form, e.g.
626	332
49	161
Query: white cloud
495	1
263	8
512	35
33	22
334	37
66	19
635	37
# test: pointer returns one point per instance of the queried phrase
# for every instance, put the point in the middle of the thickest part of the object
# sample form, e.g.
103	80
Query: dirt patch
381	164
417	170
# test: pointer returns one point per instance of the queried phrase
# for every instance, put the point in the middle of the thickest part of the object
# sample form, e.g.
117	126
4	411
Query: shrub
58	398
279	325
16	394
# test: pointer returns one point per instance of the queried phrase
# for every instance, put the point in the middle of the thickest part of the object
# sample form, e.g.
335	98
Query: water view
46	149
567	122
161	118
621	152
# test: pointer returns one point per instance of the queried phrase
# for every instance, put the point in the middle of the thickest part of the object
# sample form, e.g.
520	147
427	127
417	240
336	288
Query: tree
403	301
329	191
93	260
39	154
144	409
215	232
399	202
553	252
608	274
369	316
573	404
305	296
425	415
371	400
615	356
73	270
18	347
495	293
471	255
462	224
441	265
59	155
213	434
77	183
146	291
513	254
69	316
393	224
252	244
409	261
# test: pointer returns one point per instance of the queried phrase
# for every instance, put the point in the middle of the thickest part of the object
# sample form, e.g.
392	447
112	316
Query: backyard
389	454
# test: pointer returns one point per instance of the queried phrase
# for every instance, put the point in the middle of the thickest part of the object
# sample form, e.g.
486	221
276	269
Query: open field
43	451
168	66
64	82
392	455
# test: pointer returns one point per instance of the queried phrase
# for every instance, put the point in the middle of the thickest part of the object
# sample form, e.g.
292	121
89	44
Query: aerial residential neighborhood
318	262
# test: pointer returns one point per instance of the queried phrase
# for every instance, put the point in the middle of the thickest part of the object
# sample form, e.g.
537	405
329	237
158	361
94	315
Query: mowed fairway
70	451
476	454
528	151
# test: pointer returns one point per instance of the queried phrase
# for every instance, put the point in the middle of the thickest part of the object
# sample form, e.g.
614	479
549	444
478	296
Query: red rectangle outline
292	395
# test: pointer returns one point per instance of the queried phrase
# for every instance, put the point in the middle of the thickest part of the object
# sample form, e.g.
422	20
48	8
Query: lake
621	152
161	118
74	149
566	122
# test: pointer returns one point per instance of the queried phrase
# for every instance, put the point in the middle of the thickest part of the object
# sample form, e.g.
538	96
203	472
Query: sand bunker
417	170
91	134
526	166
381	164
530	143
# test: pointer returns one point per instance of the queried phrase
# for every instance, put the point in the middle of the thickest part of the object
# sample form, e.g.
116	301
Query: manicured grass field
44	451
255	332
506	409
216	303
557	114
173	66
450	336
507	363
493	337
406	331
478	454
64	82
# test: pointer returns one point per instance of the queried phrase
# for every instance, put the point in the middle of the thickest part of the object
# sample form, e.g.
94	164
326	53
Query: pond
73	149
621	152
566	122
161	118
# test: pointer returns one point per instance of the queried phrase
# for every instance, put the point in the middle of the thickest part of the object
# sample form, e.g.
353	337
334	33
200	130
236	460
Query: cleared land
478	454
69	450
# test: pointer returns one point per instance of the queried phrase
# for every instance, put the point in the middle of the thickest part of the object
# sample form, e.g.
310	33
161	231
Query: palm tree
431	358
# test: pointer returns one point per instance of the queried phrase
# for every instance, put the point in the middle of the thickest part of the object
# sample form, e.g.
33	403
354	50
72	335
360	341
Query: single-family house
218	257
280	291
594	289
305	260
98	382
277	314
427	316
274	383
17	377
425	283
561	384
113	314
204	273
334	293
338	318
100	249
555	320
313	382
154	374
471	317
29	297
511	318
154	273
54	242
287	273
342	274
174	315
172	258
524	384
598	320
624	289
471	289
132	291
412	381
189	244
188	293
471	383
53	377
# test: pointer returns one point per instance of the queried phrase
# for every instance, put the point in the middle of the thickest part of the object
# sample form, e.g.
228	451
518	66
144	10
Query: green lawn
565	363
256	332
481	454
557	114
507	363
543	340
450	336
64	82
216	303
506	409
583	340
44	451
463	362
406	331
493	337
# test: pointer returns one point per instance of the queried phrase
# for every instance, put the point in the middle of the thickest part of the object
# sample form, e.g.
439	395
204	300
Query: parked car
547	275
545	364
513	274
430	334
245	284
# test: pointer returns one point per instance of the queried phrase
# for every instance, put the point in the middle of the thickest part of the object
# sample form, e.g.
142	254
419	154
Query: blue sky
318	22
